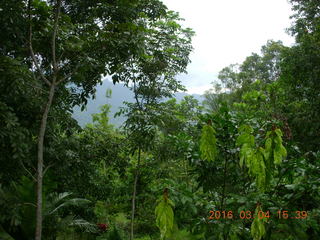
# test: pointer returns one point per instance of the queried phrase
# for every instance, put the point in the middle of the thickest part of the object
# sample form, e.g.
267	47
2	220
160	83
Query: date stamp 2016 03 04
280	214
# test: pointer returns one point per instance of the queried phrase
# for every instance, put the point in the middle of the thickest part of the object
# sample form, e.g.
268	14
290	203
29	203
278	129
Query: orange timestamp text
280	214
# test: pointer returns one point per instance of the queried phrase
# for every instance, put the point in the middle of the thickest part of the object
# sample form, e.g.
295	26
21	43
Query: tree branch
24	167
69	75
27	203
47	168
134	194
136	95
54	36
31	48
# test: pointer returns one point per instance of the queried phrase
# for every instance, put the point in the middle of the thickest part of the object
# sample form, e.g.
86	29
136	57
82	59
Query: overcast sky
227	31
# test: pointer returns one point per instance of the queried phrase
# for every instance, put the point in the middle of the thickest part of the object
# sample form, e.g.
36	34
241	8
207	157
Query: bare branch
60	57
31	48
47	168
27	203
31	175
136	95
69	75
54	36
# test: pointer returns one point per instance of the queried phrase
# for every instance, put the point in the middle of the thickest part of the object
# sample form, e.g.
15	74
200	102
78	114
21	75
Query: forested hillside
118	94
242	164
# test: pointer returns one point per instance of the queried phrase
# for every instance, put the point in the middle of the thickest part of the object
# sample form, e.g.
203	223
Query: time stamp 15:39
280	214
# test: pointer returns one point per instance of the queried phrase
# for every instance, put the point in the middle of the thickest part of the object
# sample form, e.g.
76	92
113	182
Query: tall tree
151	77
300	74
71	44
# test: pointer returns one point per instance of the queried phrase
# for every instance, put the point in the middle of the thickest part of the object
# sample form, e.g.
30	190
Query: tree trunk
135	193
40	163
223	195
43	125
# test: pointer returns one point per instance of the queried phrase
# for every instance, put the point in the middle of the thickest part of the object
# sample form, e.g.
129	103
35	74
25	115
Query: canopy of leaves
259	150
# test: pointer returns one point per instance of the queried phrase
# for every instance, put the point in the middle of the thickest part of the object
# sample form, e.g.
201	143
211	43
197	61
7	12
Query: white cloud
199	89
227	31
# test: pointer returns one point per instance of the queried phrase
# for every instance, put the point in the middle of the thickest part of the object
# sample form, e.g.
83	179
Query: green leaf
246	141
274	148
253	158
260	170
277	157
164	216
257	226
278	132
208	142
268	146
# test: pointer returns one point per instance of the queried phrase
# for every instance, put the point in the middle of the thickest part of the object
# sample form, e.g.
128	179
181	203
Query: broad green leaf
283	151
278	132
246	141
274	148
254	158
277	157
164	216
208	141
245	128
268	146
257	226
260	170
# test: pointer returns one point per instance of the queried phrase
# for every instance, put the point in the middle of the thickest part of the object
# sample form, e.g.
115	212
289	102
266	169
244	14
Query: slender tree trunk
43	125
224	185
225	235
135	193
40	163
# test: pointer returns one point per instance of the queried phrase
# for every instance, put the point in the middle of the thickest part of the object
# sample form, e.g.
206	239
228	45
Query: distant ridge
119	94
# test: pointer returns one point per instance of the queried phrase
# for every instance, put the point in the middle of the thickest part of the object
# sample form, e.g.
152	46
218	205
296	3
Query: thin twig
136	95
54	36
31	48
27	203
24	167
279	181
69	75
36	87
47	168
60	57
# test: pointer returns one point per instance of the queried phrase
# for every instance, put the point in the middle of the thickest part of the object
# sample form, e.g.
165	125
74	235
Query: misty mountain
119	94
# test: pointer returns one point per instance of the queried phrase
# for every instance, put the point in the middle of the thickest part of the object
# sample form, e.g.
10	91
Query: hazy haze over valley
118	96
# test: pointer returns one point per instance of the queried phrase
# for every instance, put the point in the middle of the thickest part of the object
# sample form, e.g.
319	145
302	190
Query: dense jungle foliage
244	164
